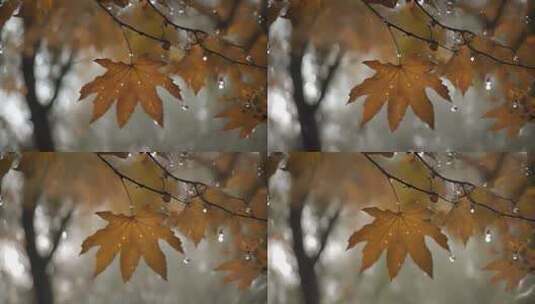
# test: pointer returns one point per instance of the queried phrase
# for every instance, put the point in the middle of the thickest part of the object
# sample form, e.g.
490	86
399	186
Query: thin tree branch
328	79
164	193
58	82
325	235
164	41
466	187
56	236
465	34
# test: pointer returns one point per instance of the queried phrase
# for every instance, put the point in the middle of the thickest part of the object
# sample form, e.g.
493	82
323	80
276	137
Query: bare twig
465	186
198	192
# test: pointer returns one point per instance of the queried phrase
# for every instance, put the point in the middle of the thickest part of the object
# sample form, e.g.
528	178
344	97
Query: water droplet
248	210
472	58
454	109
185	107
515	256
186	261
516	59
64	235
488	236
249	58
221	237
472	210
221	84
247	257
452	258
515	104
204	58
204	210
488	85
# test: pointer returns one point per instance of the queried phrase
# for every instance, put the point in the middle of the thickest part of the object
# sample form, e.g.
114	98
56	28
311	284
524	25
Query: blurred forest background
47	209
316	56
314	212
46	56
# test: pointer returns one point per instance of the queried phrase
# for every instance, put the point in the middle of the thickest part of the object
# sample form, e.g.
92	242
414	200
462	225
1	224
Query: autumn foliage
153	202
412	198
149	44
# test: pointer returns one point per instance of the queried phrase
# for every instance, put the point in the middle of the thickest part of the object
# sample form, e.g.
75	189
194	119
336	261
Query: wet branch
465	186
466	36
199	188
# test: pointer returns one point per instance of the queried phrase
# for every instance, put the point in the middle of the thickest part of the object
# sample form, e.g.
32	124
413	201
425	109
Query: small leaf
507	270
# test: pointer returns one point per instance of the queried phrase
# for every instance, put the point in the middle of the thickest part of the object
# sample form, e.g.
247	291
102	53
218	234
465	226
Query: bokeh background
331	212
80	31
81	184
343	34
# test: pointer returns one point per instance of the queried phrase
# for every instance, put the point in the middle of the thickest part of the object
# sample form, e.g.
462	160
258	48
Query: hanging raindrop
488	236
472	210
488	84
221	84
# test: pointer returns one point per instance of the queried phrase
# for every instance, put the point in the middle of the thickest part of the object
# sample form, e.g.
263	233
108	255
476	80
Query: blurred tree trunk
306	113
42	131
41	282
305	264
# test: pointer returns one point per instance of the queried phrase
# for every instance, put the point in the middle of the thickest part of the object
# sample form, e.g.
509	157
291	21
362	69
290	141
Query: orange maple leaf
194	68
508	270
193	221
399	233
244	270
399	85
130	84
460	222
132	236
460	69
249	111
510	116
